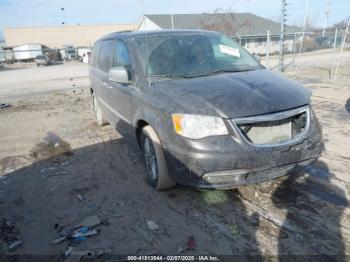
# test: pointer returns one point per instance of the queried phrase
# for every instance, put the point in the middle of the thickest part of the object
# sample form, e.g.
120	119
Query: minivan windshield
191	55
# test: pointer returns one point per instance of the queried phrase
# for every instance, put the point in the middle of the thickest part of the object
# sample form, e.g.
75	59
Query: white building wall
147	25
260	48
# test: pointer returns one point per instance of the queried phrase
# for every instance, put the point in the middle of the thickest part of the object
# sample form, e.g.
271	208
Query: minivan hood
233	95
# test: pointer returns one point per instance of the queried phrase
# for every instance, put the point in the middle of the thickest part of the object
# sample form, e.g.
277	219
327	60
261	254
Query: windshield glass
191	55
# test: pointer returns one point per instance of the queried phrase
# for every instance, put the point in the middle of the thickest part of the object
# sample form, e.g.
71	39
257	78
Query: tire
156	168
100	119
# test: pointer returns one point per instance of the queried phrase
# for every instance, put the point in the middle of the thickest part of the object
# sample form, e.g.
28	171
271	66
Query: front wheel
153	155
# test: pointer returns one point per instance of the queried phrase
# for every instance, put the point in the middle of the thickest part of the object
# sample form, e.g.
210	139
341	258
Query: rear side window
105	55
94	54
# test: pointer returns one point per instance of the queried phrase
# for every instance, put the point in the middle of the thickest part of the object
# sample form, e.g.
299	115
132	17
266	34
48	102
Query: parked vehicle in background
2	56
69	53
202	110
27	53
83	54
9	56
327	42
42	60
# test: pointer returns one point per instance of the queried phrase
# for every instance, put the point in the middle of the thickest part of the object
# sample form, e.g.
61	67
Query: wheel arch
140	124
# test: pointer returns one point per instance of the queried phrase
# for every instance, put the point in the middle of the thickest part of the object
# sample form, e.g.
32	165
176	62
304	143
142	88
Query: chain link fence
332	40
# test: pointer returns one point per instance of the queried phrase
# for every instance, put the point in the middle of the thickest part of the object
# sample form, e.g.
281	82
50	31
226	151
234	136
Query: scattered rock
90	221
142	233
9	234
347	105
234	229
299	237
254	219
180	250
58	240
68	251
152	225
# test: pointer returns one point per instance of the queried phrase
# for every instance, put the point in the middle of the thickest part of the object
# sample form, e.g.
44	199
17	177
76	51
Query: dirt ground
52	153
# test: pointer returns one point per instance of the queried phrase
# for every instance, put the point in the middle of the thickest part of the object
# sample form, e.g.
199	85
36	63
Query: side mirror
257	57
118	74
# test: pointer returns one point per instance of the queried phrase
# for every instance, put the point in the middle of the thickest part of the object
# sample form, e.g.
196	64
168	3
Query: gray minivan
203	111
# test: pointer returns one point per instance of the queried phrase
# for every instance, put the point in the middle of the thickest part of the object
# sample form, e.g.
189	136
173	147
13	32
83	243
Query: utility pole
304	26
283	27
327	12
172	20
334	47
268	49
341	49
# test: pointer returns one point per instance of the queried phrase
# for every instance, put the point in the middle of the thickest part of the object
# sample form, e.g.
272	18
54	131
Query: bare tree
224	21
342	23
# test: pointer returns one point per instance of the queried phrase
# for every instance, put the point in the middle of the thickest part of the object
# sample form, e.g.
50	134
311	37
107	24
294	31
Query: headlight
196	127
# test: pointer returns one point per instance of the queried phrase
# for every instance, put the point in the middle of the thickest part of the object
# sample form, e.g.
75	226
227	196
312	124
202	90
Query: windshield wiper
218	72
168	76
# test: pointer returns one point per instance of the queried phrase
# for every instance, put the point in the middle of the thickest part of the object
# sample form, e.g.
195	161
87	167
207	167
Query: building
58	36
249	29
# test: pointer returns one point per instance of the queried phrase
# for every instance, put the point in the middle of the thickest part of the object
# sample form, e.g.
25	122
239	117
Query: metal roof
130	34
244	23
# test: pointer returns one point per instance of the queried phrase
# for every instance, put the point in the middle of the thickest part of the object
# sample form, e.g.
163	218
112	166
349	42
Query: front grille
277	128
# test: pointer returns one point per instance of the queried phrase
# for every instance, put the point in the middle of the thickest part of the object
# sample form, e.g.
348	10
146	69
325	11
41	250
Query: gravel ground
51	151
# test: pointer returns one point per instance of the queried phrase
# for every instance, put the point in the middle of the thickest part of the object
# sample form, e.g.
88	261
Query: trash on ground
63	173
84	232
3	105
68	251
152	225
58	240
191	243
142	233
9	234
93	206
78	233
14	244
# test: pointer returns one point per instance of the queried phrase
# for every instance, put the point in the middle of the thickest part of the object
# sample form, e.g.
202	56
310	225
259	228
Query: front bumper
234	178
230	161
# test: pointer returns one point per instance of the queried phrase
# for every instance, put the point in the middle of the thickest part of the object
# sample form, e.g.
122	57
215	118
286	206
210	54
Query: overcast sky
48	12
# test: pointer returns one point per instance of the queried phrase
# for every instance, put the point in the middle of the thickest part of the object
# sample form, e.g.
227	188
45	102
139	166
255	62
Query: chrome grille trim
274	117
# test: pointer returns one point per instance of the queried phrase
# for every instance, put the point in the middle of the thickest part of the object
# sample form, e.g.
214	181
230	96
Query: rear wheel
98	112
156	168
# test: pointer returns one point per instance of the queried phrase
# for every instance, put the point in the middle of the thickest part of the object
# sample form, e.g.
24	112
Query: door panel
120	93
105	61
